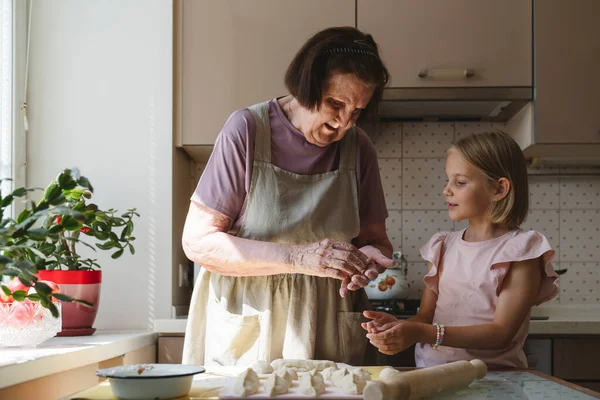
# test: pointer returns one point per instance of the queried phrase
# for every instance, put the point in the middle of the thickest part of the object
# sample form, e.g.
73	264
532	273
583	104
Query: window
12	94
6	93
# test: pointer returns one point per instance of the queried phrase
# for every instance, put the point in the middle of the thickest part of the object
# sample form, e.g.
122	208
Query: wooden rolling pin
424	382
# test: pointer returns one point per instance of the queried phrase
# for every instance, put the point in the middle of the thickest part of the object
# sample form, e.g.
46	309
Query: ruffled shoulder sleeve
433	252
527	246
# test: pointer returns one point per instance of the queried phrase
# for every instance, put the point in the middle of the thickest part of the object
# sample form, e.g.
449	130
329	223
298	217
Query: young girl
483	280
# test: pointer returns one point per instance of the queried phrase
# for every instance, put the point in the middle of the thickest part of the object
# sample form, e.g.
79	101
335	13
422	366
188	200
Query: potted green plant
29	307
68	219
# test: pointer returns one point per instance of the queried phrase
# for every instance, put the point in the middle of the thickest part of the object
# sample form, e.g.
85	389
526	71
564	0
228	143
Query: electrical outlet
184	280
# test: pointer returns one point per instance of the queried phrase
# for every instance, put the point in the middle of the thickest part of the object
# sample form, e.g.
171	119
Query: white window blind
6	93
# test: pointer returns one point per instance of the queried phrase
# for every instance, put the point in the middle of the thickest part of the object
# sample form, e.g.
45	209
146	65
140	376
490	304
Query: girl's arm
517	296
427	305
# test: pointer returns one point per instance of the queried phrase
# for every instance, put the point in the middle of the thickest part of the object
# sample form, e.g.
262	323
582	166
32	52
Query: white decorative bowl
150	381
27	324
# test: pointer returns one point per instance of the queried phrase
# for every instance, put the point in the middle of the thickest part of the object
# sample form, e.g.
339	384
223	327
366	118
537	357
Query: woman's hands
340	260
378	264
329	258
388	334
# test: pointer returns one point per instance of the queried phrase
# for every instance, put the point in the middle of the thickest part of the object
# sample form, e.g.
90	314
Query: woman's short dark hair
343	50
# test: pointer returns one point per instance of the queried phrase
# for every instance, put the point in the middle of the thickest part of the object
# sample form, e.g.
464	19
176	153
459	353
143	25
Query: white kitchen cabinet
567	82
232	53
490	40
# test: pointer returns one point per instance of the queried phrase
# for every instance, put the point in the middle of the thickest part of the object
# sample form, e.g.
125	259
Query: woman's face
344	97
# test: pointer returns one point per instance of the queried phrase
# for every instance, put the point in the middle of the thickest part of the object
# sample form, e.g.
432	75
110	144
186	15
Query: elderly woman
288	219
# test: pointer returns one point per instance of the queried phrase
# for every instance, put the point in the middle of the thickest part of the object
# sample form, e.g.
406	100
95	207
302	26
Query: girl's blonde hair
499	156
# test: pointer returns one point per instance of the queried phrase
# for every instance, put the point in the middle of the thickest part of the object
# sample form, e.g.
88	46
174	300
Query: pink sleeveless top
467	277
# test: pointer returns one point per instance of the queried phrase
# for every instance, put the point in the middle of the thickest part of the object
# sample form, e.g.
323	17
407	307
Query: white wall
100	98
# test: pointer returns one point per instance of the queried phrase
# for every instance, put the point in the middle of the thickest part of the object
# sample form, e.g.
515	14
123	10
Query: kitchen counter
60	354
562	320
497	385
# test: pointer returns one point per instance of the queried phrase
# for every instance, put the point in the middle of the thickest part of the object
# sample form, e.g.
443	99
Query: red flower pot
77	319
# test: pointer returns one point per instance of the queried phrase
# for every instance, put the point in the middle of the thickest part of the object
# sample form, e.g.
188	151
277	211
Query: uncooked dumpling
364	374
246	383
288	374
302	365
261	367
352	383
336	376
328	371
276	385
312	384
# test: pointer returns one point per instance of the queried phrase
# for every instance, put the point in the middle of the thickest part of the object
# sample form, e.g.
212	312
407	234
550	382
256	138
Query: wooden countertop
498	384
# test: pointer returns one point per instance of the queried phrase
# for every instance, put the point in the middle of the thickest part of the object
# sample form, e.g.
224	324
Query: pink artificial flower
23	314
5	309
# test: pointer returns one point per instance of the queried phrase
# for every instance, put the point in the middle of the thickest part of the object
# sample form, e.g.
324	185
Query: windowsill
58	354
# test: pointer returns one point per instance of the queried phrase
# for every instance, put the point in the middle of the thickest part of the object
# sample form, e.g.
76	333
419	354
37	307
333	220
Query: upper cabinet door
567	78
442	43
235	53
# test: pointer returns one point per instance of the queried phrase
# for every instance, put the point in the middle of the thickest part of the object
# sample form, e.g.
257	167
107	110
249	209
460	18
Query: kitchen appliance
454	103
393	283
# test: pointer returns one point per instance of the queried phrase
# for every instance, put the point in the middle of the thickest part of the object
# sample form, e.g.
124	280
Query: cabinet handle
446	73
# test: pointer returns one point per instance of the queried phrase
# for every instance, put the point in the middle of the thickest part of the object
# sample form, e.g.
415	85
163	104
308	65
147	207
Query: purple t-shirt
226	179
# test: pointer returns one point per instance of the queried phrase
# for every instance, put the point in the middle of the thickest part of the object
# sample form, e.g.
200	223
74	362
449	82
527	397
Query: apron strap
262	144
348	151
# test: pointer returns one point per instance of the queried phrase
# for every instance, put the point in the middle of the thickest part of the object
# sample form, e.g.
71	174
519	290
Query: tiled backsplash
566	208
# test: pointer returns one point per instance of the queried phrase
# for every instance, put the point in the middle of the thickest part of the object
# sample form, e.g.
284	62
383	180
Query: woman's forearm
231	255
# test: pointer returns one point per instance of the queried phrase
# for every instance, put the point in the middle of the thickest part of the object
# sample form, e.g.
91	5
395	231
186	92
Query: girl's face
468	191
344	97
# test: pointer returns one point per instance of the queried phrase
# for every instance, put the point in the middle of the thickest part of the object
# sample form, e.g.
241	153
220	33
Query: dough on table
328	371
246	383
363	373
312	384
336	376
261	367
275	385
302	365
352	383
288	374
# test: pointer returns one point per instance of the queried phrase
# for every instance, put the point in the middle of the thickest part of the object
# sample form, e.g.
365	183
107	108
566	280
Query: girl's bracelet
439	335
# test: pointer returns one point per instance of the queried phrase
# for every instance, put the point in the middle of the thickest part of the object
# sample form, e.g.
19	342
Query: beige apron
237	320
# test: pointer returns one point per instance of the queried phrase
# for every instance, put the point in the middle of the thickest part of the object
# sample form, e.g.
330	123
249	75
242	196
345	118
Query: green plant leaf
71	224
41	287
62	297
23	216
58	200
19	295
37	234
85	303
131	249
105	246
19	192
52	191
5	290
33	297
7	200
83	181
53	310
117	254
